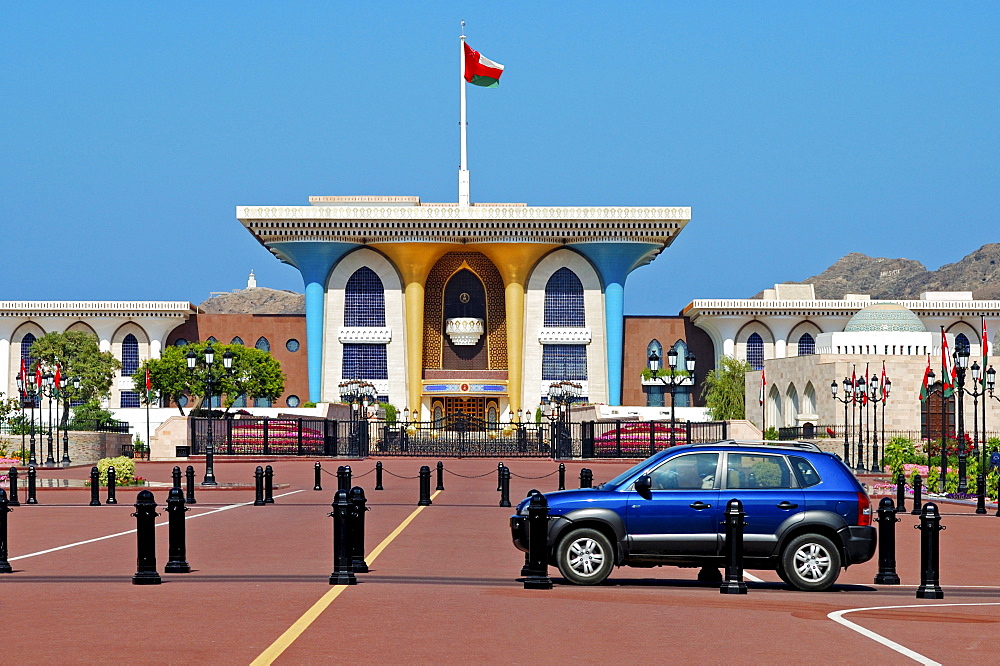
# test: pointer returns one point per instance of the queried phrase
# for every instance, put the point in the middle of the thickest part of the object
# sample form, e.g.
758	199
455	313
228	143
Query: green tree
255	374
78	355
724	391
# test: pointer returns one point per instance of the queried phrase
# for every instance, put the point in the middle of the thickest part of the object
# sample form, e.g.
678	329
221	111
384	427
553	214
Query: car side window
695	471
805	473
757	470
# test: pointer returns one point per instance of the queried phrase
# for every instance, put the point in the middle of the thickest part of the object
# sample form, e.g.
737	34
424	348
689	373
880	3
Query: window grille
364	362
561	362
364	299
564	300
807	345
755	351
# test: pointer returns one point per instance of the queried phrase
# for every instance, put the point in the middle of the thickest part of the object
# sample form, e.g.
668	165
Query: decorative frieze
365	335
564	336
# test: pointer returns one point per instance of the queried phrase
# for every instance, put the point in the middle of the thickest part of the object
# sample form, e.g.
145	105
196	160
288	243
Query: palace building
473	308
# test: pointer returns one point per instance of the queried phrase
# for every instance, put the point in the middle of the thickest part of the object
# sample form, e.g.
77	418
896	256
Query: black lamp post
961	357
978	390
26	389
860	399
991	382
358	393
65	457
847	399
944	427
561	396
210	383
672	381
49	390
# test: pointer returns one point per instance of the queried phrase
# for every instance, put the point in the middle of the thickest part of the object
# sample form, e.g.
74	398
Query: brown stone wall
640	331
278	329
84	447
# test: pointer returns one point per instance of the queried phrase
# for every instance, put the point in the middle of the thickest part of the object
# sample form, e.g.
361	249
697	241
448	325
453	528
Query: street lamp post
359	394
66	462
28	392
944	428
50	390
672	381
847	399
878	395
561	396
978	390
210	383
860	398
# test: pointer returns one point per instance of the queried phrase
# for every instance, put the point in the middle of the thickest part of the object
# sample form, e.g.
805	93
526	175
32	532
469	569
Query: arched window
241	401
212	340
654	346
807	345
27	359
263	344
180	342
130	363
564	300
962	342
682	351
755	351
237	341
364	299
261	402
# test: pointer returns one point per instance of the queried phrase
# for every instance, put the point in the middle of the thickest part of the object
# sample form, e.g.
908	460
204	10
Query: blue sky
798	132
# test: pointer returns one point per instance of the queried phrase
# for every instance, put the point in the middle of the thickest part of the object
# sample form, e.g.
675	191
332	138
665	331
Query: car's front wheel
585	557
810	562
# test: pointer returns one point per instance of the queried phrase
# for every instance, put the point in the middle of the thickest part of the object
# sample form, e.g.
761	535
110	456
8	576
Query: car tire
811	562
585	557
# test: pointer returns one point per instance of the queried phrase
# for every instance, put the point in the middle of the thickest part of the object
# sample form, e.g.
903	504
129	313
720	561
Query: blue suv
807	516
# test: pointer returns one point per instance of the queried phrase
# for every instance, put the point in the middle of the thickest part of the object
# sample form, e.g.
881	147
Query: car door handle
787	505
699	505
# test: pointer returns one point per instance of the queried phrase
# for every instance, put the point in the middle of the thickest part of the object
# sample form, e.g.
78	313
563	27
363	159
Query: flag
58	376
38	376
149	386
24	371
480	70
864	394
854	383
985	349
763	384
885	390
947	368
924	389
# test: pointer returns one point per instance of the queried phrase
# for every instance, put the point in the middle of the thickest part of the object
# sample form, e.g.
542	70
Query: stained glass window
564	300
755	351
364	299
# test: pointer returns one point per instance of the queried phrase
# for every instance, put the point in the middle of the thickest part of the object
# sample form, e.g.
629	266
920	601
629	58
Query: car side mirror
643	485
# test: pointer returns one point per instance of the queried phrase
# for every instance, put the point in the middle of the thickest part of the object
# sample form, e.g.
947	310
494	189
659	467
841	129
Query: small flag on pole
58	376
149	386
986	343
480	70
763	385
885	383
947	368
924	388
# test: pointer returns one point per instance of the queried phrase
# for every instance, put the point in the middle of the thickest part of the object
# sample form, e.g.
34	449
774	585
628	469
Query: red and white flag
149	385
763	385
885	381
948	371
986	343
58	376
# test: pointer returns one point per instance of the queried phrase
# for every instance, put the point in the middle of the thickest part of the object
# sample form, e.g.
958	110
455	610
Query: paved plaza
443	585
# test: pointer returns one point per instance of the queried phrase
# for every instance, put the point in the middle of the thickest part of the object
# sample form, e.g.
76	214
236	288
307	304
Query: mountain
884	278
256	300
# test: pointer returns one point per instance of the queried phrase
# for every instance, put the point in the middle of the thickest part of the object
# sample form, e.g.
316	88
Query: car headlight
522	508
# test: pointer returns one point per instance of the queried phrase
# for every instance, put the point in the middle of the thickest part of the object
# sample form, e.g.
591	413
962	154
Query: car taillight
864	510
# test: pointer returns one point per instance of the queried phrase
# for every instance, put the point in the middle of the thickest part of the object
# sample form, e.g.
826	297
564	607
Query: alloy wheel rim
812	562
586	556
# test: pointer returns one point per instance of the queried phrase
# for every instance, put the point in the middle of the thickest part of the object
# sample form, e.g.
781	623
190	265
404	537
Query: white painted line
118	534
750	577
838	617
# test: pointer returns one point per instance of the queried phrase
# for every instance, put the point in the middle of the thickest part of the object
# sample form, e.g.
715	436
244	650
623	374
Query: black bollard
918	504
526	570
347	477
901	493
95	487
378	476
499	474
357	529
317	470
562	476
997	513
586	478
734	549
4	510
342	572
176	476
887	543
930	525
258	486
505	487
145	539
538	544
980	494
268	485
440	476
177	548
112	487
32	498
425	486
12	475
341	483
189	480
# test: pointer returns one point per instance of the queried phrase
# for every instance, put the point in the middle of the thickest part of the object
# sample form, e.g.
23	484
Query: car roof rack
789	444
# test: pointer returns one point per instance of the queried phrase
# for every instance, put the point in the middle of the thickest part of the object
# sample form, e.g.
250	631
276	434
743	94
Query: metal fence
462	437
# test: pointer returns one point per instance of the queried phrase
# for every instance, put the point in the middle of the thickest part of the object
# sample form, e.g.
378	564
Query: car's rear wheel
585	557
810	562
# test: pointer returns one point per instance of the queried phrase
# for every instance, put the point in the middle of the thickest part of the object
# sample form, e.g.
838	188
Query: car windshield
632	471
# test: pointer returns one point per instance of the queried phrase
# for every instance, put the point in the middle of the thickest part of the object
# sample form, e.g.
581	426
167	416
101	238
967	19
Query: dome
885	317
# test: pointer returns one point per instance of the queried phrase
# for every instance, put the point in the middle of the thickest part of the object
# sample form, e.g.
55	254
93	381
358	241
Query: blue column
614	261
315	260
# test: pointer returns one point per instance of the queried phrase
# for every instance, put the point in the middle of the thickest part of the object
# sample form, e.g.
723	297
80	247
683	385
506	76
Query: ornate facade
473	308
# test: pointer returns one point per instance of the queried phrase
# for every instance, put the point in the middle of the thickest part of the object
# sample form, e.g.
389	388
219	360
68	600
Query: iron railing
451	437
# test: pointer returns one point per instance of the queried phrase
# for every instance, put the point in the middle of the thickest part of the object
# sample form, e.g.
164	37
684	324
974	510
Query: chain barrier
464	476
353	476
543	476
398	476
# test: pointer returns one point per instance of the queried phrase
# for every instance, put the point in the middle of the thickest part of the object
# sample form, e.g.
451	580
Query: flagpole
463	169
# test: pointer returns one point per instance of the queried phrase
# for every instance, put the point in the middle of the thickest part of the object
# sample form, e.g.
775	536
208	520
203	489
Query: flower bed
5	465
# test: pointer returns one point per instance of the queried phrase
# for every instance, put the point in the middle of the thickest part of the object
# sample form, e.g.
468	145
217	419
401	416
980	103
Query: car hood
562	501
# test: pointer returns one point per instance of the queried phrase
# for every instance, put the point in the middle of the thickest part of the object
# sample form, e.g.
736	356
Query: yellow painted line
293	632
